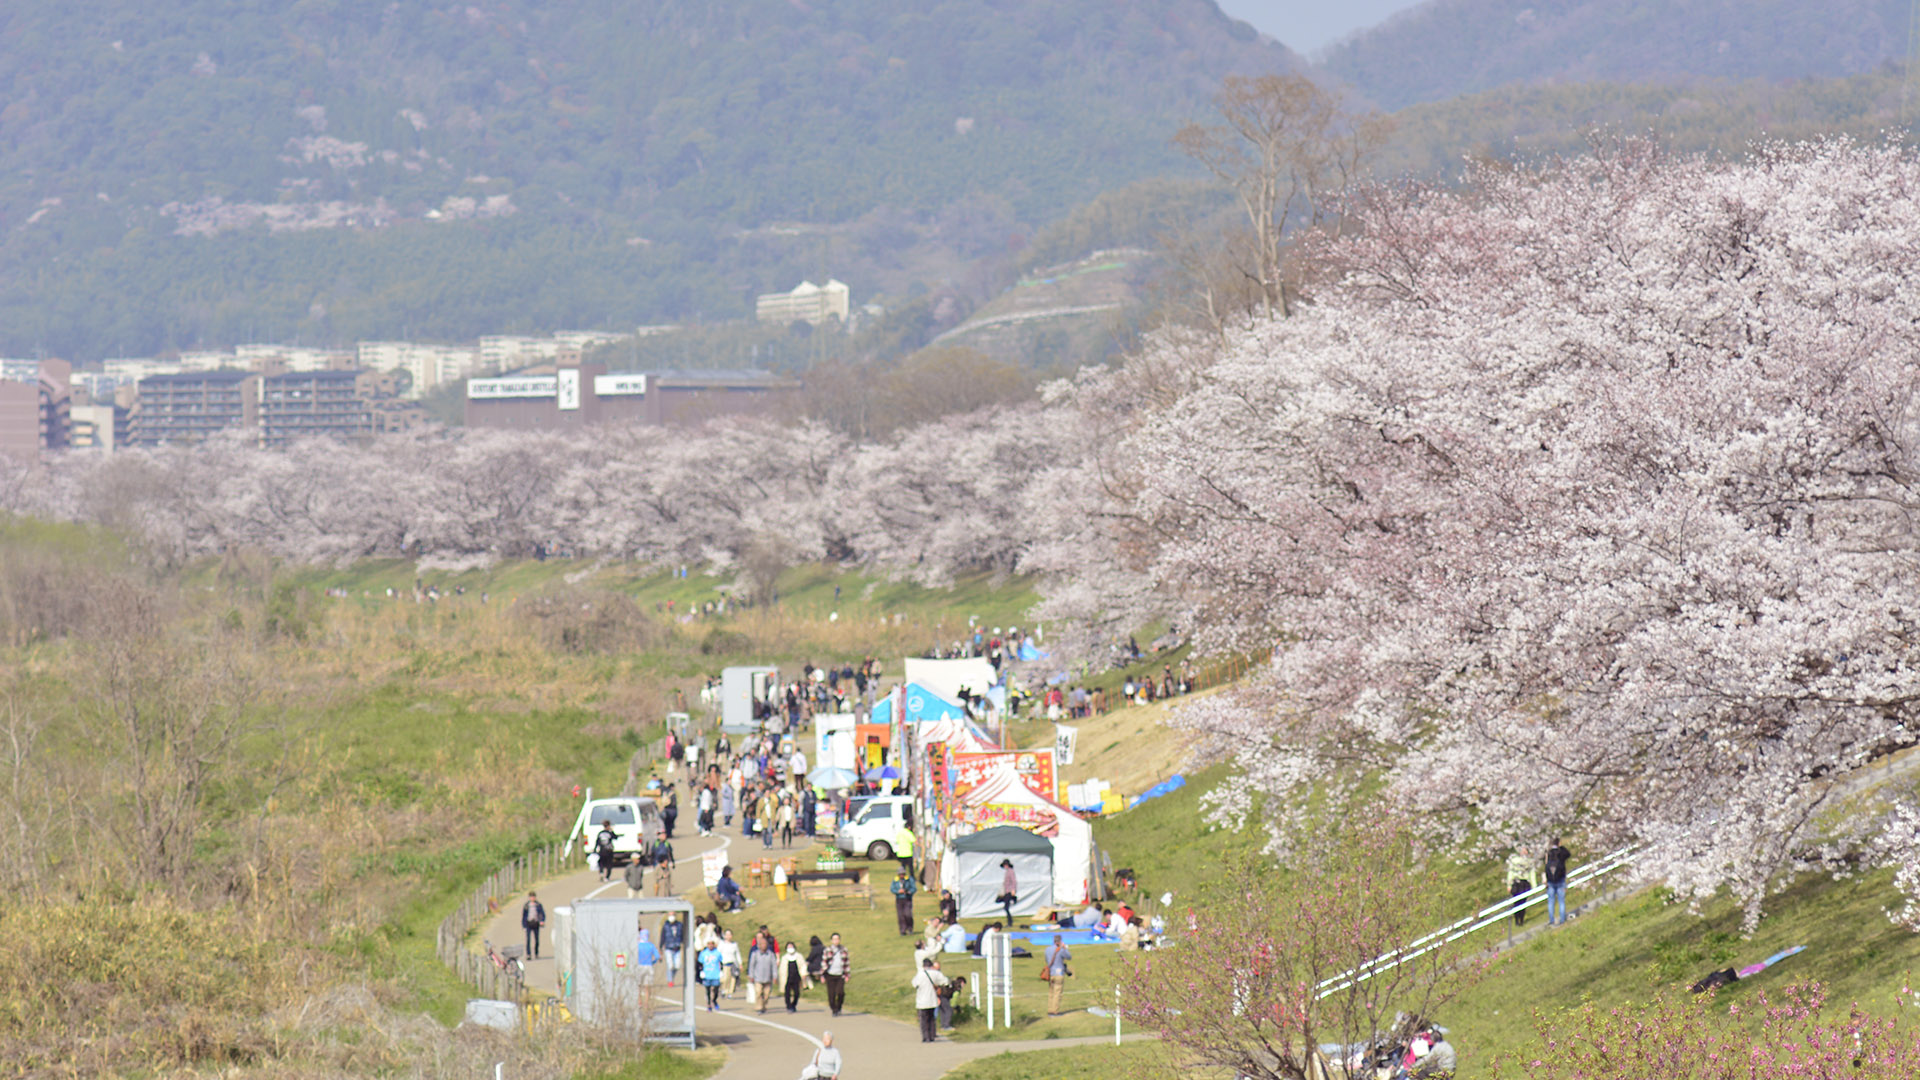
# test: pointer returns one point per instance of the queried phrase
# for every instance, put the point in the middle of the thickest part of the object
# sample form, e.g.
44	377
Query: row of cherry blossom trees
1584	498
940	501
1578	496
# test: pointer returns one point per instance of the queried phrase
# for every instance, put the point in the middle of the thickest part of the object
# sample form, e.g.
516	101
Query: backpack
1557	865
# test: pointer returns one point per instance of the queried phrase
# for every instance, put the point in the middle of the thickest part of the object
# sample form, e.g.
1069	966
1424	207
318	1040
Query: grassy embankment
386	755
1620	953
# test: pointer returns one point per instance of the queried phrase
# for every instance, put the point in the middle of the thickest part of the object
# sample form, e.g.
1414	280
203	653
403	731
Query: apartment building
190	406
35	405
807	303
314	404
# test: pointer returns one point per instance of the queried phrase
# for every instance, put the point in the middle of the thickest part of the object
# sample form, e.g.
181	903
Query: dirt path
777	1045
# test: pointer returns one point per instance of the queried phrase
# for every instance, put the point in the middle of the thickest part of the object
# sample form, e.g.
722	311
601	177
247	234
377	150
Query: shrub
577	621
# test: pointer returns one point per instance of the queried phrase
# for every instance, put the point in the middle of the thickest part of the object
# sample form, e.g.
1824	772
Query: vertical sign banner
569	388
711	863
1064	736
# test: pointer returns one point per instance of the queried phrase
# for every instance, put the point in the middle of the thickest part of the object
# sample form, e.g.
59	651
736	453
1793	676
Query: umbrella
832	777
885	772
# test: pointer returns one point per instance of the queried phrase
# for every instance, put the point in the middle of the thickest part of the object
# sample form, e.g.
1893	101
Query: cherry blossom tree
1258	977
1585	499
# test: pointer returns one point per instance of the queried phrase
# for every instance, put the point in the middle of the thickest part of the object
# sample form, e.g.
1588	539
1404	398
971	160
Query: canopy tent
1005	796
920	705
978	875
946	677
956	731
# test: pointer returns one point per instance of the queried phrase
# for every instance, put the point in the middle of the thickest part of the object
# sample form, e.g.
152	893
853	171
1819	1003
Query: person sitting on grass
727	893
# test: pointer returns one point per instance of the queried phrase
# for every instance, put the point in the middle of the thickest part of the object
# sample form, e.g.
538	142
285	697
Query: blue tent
923	704
1029	653
882	711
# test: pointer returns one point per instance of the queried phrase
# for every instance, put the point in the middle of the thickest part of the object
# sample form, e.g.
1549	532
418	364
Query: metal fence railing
1488	916
505	886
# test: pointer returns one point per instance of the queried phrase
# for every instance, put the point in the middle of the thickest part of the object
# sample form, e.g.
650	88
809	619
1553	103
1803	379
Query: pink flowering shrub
1795	1035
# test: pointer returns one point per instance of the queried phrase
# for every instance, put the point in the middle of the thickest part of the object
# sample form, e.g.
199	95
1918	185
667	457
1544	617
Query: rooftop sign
522	386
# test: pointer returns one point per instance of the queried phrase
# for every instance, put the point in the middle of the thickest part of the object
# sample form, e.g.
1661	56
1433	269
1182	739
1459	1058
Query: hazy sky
1305	25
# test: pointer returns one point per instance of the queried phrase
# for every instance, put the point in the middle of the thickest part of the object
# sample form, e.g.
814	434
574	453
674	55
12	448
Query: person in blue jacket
710	971
727	893
673	940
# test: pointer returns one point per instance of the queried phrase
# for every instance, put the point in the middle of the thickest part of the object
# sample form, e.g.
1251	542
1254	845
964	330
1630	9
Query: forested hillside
1718	117
210	170
1445	48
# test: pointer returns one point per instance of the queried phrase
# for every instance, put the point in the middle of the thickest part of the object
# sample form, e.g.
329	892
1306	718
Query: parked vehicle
870	829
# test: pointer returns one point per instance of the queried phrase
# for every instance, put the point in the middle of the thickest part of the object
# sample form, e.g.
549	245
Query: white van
636	821
870	830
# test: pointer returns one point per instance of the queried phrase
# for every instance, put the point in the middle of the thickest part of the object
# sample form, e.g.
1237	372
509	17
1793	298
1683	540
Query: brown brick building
35	400
189	406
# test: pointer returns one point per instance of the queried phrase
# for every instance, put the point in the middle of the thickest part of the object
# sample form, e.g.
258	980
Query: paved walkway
775	1046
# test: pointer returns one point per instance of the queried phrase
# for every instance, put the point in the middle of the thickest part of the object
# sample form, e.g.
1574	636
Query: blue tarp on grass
1165	787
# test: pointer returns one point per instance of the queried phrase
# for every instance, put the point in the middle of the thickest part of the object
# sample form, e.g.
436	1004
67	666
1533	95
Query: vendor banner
1034	819
1035	768
1064	737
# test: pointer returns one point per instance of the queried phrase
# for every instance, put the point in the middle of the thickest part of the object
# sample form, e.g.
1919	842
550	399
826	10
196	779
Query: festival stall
978	875
994	794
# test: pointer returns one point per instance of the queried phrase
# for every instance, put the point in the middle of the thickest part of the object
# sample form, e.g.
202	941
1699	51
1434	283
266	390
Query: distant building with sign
807	303
570	397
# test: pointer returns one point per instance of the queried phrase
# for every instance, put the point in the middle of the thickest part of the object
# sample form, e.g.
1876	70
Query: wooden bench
824	892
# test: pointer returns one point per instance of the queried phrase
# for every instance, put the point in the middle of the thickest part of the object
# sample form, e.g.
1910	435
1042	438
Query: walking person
1556	867
635	874
673	943
785	820
603	845
903	889
793	977
710	971
533	916
730	965
763	967
836	965
926	997
645	958
671	813
1058	971
1009	888
903	847
826	1061
662	867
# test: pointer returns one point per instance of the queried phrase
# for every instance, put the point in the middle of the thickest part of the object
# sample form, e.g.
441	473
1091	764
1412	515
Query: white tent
833	741
1071	835
946	677
959	734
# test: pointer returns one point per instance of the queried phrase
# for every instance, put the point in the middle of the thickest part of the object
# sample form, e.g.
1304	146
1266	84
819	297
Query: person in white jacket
926	997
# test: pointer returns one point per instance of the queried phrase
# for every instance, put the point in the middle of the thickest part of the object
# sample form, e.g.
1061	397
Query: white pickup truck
636	821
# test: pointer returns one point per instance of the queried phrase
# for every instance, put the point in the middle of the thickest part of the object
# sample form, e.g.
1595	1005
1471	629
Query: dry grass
388	755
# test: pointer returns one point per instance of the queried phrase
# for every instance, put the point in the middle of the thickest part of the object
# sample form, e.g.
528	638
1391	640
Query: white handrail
1487	916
